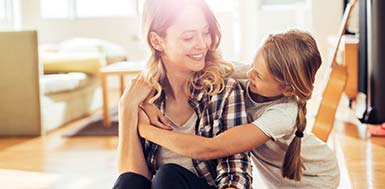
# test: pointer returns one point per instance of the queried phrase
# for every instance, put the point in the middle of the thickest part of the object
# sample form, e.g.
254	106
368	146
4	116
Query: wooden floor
53	161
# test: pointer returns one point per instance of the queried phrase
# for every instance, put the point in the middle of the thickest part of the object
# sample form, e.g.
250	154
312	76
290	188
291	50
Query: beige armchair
19	84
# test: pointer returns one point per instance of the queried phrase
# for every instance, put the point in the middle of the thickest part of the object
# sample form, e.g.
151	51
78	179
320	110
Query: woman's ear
156	41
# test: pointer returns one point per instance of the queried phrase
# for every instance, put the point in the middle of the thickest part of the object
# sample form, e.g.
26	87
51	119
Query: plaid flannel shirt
215	115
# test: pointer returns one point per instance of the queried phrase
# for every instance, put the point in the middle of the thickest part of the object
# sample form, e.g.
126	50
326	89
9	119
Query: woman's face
261	80
187	41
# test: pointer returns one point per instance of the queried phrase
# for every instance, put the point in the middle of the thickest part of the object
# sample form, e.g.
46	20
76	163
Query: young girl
193	90
279	84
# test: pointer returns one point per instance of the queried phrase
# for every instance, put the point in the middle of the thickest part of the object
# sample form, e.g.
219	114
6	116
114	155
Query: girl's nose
249	73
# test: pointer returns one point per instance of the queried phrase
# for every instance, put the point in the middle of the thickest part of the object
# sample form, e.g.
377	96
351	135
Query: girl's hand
144	124
144	127
155	116
135	94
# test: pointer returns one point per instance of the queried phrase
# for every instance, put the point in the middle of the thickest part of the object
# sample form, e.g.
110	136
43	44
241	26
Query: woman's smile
197	57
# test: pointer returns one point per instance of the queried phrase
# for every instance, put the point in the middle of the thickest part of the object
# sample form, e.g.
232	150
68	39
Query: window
8	11
280	2
2	9
55	9
284	5
105	8
87	8
223	5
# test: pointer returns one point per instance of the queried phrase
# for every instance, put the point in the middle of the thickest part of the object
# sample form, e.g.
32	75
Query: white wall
258	21
326	19
322	19
228	42
248	29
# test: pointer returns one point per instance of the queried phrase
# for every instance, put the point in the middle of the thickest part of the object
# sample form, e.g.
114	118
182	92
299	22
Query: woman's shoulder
230	81
231	85
230	89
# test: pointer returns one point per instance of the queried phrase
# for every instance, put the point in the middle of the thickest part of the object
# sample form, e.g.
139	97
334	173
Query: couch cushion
87	62
56	83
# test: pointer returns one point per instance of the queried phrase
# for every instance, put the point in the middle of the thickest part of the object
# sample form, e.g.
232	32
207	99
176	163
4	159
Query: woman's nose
200	43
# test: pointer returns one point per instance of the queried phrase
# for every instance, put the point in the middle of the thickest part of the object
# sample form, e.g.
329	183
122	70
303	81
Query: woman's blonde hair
293	59
158	16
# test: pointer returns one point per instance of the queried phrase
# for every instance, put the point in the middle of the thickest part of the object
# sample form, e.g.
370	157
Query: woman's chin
197	66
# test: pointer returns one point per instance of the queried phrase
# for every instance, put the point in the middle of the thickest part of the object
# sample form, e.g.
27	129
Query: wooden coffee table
120	69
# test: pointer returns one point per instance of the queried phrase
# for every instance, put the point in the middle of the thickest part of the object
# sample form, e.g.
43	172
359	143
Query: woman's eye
187	39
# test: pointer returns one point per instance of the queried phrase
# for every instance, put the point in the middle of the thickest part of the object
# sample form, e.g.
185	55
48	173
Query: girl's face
187	41
262	82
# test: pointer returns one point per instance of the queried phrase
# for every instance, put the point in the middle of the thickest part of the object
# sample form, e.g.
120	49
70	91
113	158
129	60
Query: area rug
94	127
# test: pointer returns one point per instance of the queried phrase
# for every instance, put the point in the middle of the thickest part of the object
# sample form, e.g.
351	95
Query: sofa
42	90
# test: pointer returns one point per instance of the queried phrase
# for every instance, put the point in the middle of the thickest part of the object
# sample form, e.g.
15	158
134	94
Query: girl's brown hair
158	16
293	59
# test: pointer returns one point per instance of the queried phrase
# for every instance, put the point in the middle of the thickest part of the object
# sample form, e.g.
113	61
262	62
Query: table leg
106	113
122	85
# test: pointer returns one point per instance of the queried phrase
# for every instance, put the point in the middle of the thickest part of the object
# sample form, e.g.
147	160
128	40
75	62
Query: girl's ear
156	41
288	92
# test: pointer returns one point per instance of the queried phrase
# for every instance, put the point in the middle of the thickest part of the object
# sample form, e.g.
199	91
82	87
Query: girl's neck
261	99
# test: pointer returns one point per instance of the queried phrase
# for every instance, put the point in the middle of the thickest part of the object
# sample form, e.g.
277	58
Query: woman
193	91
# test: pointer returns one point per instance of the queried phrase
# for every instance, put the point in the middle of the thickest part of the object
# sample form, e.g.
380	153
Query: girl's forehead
258	58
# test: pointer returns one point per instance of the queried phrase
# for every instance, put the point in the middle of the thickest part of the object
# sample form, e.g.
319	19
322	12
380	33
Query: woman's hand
155	116
135	94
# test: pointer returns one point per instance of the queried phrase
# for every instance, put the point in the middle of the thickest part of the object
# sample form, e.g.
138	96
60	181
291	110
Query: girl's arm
130	153
235	140
206	148
154	115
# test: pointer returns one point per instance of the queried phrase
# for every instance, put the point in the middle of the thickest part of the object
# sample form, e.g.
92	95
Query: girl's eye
258	76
